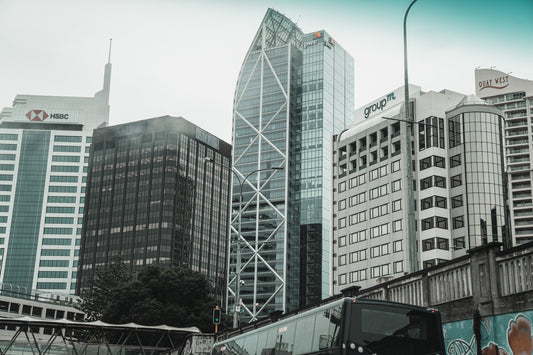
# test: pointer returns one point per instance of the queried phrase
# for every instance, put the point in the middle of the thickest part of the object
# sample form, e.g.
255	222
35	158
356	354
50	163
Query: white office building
457	152
44	151
514	97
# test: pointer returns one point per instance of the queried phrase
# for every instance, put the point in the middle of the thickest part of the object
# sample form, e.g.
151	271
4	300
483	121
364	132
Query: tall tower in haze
293	93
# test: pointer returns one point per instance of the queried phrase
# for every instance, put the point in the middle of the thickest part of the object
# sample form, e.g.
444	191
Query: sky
182	57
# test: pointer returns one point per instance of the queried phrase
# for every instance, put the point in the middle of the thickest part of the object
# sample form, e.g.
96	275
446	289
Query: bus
343	326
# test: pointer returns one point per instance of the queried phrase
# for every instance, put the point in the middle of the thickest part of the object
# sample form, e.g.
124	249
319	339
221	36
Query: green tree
174	296
105	286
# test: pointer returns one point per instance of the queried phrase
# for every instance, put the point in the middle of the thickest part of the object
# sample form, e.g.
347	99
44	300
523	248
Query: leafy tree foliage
104	287
174	296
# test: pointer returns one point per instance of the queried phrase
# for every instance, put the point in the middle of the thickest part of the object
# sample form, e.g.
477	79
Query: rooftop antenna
109	56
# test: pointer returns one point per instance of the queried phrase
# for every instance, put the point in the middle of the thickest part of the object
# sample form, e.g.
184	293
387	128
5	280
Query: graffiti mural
508	334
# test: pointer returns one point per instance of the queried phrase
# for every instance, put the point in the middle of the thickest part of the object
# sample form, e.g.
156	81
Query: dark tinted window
387	330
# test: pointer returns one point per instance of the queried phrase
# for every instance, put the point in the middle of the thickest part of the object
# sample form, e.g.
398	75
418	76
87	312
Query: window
425	163
59	220
426	203
383	171
397	225
373	175
342	223
65	169
342	186
67	148
358	275
455	161
7	146
57	209
342	204
396	205
71	139
378	271
395	166
441	222
7	156
358	217
397	246
439	162
357	256
456	180
379	211
398	266
396	185
443	244
459	243
378	192
428	223
358	236
426	183
62	231
440	202
428	244
342	241
454	131
66	189
440	181
8	137
342	259
10	167
457	201
66	158
379	231
57	178
379	250
458	222
342	279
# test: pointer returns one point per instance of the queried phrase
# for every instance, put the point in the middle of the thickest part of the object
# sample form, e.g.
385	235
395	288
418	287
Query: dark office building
157	193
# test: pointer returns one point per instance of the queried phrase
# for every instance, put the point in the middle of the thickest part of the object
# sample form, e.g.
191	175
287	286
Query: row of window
372	175
375	272
442	222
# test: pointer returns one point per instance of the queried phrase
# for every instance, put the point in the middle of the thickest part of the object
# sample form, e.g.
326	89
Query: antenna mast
109	56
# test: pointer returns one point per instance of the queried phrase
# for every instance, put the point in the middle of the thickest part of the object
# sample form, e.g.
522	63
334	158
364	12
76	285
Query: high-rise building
157	193
293	93
459	188
514	97
44	151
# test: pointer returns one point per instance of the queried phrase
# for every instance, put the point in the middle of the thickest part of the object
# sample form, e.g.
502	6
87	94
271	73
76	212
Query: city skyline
59	47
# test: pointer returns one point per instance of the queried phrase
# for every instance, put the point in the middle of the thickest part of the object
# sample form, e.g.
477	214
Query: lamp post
238	256
413	255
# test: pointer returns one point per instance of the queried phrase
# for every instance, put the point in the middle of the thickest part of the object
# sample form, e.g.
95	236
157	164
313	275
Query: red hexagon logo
37	115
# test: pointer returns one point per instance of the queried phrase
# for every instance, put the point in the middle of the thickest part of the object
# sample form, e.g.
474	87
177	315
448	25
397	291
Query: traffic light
216	315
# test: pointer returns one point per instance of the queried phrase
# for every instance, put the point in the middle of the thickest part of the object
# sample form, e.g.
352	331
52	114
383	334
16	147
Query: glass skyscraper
157	193
293	92
44	151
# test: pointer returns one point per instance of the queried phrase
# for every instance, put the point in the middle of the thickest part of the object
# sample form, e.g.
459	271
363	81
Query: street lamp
410	193
238	264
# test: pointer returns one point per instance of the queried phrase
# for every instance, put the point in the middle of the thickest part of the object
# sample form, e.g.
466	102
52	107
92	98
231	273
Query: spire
107	72
109	56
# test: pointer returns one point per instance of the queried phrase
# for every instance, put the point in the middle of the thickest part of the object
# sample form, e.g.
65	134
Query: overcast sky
182	58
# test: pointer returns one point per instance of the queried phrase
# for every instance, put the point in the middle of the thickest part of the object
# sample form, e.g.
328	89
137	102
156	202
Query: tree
106	284
174	296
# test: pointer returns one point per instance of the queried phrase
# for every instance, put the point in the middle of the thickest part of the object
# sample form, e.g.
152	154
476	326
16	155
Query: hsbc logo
37	115
41	115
